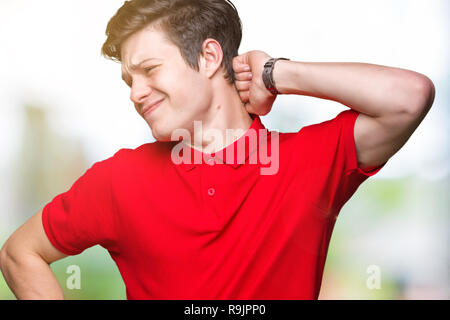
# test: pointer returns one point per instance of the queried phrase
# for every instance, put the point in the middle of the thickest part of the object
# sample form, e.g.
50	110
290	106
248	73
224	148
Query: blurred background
64	107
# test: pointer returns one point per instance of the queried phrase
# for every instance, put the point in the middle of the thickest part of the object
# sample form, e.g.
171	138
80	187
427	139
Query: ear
211	58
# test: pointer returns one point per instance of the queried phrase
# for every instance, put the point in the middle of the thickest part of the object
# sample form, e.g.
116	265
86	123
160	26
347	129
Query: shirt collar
220	156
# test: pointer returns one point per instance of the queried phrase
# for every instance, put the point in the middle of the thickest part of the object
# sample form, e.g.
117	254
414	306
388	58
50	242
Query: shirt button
211	191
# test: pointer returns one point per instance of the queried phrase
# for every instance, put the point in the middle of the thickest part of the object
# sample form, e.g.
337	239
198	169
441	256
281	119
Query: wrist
267	75
286	75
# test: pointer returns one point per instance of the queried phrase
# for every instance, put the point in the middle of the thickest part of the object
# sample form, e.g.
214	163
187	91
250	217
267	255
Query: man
218	228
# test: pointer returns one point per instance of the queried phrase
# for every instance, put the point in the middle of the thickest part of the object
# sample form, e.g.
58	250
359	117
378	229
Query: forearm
30	277
370	89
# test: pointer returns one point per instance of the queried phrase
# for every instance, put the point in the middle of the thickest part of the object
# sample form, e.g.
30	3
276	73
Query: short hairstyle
187	24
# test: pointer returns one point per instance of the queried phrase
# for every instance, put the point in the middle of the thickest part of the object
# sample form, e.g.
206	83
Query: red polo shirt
215	230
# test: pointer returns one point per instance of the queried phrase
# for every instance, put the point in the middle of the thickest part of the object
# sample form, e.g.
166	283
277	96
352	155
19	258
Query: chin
169	131
161	136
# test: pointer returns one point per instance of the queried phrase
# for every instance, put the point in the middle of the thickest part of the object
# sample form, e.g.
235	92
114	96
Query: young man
218	228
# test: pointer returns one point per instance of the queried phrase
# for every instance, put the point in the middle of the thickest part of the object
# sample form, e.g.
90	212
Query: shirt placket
210	187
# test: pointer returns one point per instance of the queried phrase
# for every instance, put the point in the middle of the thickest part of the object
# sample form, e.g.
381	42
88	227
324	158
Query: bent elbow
423	96
3	258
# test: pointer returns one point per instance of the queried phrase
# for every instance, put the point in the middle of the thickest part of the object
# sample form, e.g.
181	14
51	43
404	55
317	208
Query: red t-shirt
214	230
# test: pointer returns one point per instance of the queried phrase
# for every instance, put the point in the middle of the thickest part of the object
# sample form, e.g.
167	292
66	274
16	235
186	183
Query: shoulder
147	153
333	128
342	118
149	149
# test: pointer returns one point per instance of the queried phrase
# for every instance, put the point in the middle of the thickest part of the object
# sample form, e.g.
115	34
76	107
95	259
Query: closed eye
147	70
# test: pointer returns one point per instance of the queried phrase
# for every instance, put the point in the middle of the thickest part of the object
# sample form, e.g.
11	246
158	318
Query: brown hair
187	23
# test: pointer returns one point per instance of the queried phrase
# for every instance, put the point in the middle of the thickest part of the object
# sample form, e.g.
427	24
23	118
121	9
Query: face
155	71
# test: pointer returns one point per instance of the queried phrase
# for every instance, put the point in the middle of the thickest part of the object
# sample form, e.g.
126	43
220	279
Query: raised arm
392	102
25	262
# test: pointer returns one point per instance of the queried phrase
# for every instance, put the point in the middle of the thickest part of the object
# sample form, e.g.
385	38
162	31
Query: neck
225	121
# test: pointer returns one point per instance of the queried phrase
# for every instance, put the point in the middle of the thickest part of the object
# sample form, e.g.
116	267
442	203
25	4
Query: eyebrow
137	66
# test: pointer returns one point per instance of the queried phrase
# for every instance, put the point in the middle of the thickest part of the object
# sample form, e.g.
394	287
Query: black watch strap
268	75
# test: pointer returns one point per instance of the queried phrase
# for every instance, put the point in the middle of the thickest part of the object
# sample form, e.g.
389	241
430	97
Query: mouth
151	107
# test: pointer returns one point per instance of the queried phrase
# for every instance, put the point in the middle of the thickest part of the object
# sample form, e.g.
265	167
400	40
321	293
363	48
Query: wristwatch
268	75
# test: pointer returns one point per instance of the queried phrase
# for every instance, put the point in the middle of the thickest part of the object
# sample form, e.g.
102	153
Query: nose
140	90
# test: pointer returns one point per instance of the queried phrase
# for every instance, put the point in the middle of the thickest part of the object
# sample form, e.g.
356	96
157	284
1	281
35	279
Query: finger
240	64
242	85
244	76
238	68
245	96
249	108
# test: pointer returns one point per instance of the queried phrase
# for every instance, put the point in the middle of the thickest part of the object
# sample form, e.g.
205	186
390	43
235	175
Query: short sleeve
83	216
331	150
353	175
346	120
